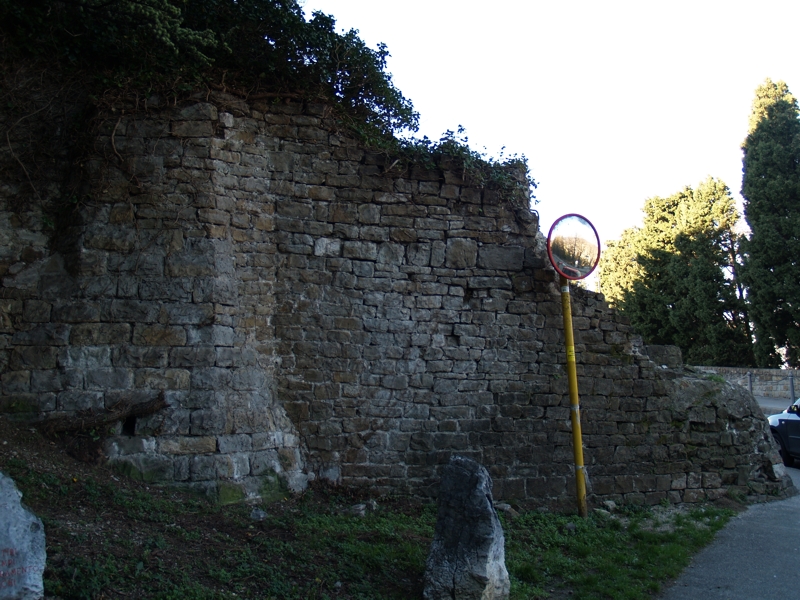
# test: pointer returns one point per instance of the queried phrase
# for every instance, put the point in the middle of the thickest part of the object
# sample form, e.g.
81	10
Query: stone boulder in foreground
467	557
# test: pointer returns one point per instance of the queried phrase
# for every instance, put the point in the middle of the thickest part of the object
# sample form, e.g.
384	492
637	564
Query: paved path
754	558
770	406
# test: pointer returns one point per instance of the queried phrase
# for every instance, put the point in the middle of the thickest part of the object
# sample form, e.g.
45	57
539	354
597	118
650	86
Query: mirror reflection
574	246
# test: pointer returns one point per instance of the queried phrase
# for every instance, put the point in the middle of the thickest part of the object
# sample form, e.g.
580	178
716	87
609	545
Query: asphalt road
770	406
754	557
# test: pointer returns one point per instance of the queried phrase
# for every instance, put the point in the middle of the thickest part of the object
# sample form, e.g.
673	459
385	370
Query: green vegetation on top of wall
510	175
259	49
255	46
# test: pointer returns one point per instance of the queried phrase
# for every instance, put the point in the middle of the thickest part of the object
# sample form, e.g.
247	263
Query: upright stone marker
22	550
467	557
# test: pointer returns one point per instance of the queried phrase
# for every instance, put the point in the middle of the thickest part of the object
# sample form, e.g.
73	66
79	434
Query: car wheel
787	460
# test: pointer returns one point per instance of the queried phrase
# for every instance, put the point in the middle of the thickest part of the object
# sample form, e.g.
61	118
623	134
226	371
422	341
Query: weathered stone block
50	334
504	258
36	311
196	129
360	250
204	111
175	421
110	238
202	468
214	335
124	445
271	440
22	546
208	422
234	443
265	462
461	253
108	379
16	382
327	247
131	311
33	358
144	467
159	335
162	379
95	334
187	445
194	356
467	556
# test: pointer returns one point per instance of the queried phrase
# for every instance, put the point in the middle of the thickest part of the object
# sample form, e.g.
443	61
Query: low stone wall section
772	383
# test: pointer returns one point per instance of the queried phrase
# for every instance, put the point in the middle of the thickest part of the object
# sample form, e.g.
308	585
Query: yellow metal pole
575	409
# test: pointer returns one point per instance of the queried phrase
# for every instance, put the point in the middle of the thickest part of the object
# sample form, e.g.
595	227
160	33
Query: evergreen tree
771	188
676	277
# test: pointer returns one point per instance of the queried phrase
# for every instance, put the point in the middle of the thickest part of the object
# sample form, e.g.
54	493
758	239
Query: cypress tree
771	188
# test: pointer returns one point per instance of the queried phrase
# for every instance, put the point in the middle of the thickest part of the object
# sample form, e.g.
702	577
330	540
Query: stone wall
311	309
772	383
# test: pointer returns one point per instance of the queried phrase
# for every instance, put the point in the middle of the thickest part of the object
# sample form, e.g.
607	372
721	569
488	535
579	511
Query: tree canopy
771	189
257	45
676	277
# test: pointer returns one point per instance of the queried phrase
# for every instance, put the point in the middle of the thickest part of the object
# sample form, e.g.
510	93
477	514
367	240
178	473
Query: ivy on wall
251	45
253	48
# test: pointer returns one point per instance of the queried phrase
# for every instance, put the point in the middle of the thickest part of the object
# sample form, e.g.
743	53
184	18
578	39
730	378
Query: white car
785	429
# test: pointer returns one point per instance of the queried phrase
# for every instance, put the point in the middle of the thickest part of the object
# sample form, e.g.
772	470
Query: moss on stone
272	489
229	492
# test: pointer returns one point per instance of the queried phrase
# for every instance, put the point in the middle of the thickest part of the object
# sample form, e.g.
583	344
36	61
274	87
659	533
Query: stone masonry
774	383
312	309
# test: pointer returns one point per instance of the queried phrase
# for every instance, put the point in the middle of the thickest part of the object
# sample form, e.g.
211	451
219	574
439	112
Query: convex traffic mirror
574	249
573	246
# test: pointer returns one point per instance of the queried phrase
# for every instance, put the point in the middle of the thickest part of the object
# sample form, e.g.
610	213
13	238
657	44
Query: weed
81	578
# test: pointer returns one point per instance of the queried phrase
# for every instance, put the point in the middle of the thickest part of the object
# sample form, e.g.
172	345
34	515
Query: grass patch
622	556
109	537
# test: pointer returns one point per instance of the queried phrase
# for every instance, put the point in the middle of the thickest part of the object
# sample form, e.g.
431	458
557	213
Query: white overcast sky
612	102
